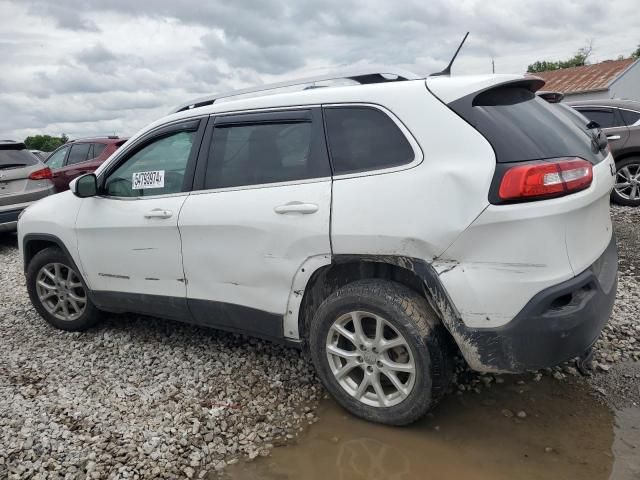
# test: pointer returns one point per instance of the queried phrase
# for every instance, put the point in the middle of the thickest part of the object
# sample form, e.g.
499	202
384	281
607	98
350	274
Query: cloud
95	66
66	16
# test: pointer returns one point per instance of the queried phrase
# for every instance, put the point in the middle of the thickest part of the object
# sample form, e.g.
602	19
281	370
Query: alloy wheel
370	359
628	182
61	292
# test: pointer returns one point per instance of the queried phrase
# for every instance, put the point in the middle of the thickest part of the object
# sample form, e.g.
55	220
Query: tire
427	350
70	287
629	167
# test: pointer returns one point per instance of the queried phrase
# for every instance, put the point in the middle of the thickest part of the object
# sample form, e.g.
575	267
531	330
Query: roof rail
361	76
94	137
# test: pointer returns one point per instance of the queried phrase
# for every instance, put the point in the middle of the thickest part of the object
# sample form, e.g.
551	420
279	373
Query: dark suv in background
620	121
81	156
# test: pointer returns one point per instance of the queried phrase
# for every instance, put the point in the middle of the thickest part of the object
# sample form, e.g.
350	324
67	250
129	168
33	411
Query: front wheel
627	188
380	351
58	293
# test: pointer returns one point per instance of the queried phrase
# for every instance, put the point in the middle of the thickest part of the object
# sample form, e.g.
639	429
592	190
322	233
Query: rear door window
521	126
272	149
605	117
630	117
364	138
79	153
98	148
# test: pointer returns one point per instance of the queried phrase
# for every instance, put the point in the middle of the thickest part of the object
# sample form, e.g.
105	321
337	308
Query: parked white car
380	225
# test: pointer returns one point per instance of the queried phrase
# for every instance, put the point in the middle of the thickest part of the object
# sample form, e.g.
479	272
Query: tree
45	143
580	58
636	54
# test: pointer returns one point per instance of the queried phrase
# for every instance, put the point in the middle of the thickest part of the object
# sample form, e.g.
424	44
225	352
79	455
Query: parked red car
78	157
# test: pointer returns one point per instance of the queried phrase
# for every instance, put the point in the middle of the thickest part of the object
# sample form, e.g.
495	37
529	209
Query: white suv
380	226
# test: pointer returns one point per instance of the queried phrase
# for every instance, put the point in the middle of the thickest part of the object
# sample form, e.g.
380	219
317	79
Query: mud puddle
565	434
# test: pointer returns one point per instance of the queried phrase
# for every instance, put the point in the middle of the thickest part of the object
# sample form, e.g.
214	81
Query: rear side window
630	117
521	127
79	153
604	117
17	159
364	138
254	154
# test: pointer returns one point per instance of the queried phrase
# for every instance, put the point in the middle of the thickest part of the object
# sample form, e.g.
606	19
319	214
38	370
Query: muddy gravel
139	397
617	360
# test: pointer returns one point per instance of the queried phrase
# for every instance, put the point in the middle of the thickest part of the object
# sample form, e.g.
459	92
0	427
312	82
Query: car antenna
447	71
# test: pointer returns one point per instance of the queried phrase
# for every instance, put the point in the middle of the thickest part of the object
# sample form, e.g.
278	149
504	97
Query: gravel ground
618	349
138	397
145	398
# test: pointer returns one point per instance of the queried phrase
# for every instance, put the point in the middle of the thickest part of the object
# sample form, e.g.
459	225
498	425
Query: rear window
362	139
522	127
17	159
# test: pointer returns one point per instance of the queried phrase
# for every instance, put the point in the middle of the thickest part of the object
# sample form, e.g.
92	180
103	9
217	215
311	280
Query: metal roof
588	78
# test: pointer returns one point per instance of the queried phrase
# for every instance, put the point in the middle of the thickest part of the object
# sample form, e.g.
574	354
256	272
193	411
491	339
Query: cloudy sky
86	67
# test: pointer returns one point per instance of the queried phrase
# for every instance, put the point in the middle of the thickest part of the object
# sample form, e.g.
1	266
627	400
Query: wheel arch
32	243
344	269
627	154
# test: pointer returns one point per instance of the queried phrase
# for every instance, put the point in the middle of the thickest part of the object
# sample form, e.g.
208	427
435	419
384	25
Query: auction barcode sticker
153	179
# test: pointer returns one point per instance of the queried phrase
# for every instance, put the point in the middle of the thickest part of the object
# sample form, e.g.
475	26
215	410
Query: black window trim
290	114
418	153
196	124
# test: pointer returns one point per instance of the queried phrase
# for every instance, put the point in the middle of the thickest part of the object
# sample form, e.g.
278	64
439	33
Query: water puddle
626	446
566	433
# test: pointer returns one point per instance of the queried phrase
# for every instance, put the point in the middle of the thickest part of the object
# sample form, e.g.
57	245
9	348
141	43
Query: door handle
159	213
613	137
297	207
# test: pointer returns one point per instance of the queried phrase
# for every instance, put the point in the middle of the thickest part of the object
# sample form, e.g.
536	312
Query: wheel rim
61	292
370	359
628	182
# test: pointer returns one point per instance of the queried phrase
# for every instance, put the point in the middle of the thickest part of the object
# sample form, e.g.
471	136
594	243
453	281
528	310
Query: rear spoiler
10	145
450	89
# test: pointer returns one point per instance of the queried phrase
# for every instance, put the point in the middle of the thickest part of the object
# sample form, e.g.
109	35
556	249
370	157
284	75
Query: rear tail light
43	174
545	179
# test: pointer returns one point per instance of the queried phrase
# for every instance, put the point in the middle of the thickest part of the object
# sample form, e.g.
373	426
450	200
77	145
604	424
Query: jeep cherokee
380	225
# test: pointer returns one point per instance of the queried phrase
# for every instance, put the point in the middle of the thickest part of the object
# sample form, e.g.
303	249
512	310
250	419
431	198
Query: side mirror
84	186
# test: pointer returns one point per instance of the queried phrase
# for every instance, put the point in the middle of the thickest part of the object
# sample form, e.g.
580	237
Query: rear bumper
9	216
559	323
9	220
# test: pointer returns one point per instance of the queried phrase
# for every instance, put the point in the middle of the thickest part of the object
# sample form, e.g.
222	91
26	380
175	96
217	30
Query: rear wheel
627	188
381	352
58	293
